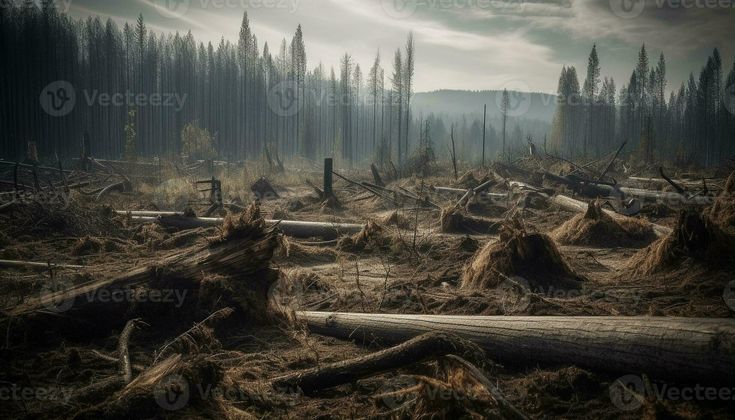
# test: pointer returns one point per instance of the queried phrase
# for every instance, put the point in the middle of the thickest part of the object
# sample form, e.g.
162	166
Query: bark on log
580	206
690	349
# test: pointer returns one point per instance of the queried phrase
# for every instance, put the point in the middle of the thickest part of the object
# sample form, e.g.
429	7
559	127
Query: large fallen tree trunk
580	206
295	228
691	349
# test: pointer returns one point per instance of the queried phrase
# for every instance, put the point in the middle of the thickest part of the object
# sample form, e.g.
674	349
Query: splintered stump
696	350
695	239
580	206
531	258
597	228
240	255
263	190
454	220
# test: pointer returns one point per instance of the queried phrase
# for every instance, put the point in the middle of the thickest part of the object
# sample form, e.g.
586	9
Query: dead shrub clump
371	236
295	251
723	209
90	245
597	228
694	239
454	220
398	220
531	256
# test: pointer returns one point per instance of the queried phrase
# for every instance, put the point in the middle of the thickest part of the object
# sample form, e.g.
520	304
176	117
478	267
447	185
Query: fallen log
581	207
123	352
297	229
689	349
36	265
412	351
459	192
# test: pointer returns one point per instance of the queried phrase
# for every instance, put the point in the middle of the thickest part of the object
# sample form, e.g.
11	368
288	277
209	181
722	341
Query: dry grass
596	228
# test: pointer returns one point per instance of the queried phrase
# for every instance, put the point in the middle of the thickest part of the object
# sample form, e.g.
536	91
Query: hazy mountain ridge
455	102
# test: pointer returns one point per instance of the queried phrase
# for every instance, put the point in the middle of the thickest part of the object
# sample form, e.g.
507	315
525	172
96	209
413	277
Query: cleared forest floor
63	361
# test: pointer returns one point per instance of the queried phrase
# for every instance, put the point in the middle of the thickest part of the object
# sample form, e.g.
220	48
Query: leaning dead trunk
241	253
690	349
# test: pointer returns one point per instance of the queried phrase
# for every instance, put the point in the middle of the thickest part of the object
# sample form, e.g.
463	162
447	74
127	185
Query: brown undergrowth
597	228
532	257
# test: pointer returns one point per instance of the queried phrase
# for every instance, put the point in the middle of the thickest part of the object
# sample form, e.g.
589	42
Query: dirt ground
65	365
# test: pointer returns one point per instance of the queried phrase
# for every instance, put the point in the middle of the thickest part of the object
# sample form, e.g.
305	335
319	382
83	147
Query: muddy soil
407	264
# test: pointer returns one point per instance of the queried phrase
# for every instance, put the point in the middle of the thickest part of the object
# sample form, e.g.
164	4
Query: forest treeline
694	124
245	98
138	93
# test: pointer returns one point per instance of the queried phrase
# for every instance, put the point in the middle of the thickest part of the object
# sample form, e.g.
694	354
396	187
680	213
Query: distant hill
454	102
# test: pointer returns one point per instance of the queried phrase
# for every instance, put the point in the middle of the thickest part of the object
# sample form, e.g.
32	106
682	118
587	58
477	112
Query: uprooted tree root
532	257
454	220
695	239
232	269
597	228
723	209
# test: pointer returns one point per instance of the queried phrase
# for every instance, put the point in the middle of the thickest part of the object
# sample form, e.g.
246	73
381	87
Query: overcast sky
463	44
